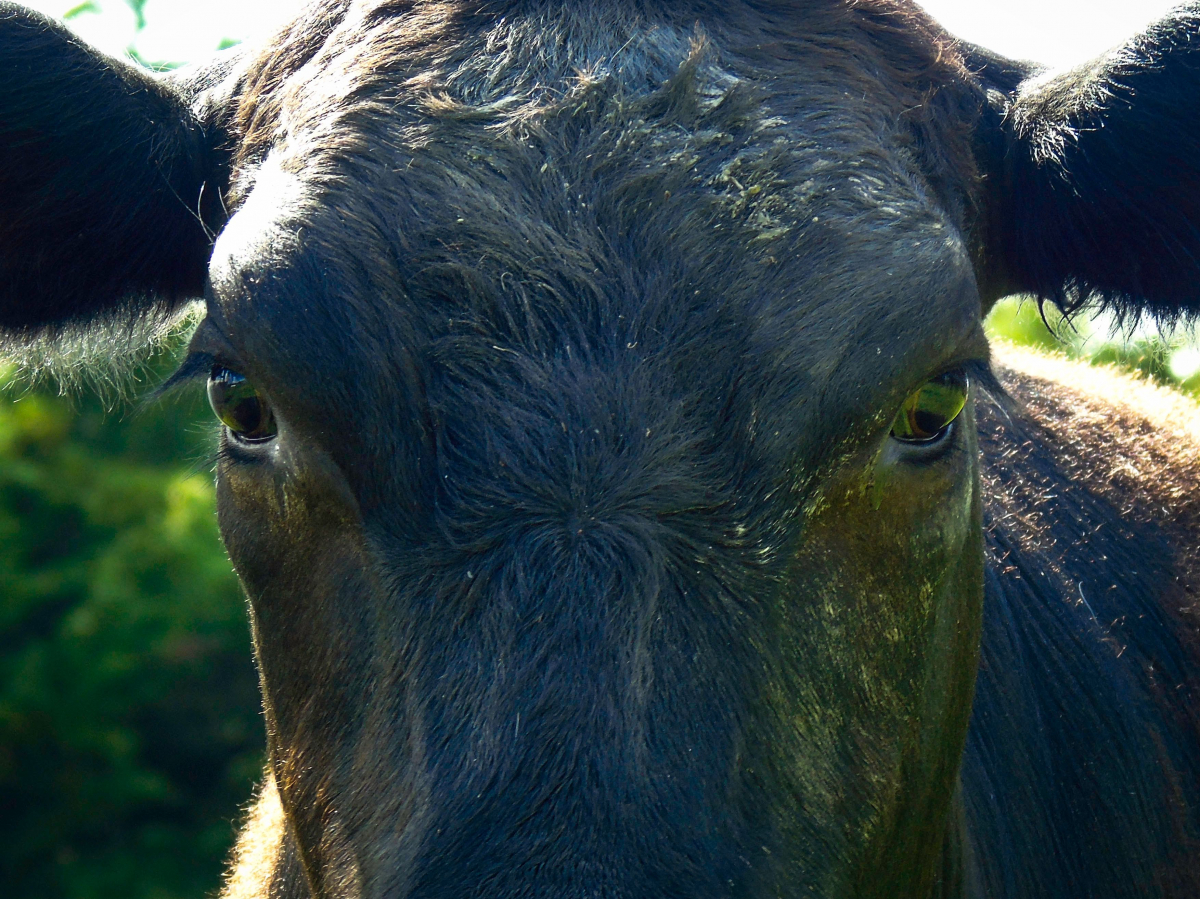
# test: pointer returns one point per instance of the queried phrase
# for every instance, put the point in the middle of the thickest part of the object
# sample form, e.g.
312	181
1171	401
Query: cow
628	501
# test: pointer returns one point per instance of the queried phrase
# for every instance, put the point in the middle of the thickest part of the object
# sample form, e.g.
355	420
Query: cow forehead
654	190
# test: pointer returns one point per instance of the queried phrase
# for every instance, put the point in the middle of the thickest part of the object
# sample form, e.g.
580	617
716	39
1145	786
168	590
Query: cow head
597	381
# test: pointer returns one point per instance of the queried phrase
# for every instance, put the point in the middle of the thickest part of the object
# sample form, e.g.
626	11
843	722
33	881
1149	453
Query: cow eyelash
195	367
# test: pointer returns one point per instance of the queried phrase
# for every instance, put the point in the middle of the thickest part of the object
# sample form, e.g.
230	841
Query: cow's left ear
1092	177
109	182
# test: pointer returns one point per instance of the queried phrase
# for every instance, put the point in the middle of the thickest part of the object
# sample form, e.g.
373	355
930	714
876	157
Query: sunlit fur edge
108	357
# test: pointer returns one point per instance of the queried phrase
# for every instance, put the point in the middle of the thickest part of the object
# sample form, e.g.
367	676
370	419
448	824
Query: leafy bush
129	716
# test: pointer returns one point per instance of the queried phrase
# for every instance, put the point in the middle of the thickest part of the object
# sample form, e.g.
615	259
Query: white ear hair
108	356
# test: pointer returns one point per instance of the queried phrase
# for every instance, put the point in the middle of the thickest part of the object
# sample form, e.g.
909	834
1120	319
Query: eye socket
239	406
927	414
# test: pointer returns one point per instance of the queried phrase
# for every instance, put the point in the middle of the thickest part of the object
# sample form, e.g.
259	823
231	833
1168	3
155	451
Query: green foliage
129	716
1151	353
79	9
1022	323
139	12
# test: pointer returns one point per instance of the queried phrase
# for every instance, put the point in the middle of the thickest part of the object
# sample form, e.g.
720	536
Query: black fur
1080	773
107	190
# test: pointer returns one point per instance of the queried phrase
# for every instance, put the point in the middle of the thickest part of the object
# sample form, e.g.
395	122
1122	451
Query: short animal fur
584	560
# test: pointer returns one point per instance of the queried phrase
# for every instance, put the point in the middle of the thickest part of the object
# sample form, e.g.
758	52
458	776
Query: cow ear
1092	177
109	183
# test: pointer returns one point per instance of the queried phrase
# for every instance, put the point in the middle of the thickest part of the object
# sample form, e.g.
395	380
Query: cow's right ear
109	183
1091	177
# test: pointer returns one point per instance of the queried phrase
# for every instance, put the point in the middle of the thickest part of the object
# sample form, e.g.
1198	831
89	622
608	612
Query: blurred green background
130	728
130	734
129	714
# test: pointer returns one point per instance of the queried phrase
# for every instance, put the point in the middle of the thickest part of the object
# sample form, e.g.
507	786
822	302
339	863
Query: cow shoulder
1121	438
1080	770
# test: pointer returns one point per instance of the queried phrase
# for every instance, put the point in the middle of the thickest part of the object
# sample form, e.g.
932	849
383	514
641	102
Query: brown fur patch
1131	441
1135	443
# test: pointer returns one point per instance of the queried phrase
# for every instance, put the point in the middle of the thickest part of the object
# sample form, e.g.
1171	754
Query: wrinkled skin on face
583	562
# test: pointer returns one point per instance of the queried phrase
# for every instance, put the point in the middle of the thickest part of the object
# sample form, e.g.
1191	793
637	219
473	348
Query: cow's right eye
239	406
927	414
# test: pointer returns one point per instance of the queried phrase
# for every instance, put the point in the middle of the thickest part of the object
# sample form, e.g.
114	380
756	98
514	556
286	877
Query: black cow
612	455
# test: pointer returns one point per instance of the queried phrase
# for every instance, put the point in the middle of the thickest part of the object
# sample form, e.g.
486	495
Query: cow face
585	505
598	450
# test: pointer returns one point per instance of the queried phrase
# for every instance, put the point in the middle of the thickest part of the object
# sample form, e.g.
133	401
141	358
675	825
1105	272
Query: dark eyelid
973	350
969	351
973	356
208	338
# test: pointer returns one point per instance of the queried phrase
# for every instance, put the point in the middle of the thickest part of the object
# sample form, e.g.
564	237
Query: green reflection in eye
239	406
927	413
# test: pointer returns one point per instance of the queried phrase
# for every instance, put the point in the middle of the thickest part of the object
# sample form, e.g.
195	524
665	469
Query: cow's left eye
928	413
239	406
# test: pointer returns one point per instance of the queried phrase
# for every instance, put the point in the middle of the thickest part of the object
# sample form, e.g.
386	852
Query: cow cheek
883	624
293	535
